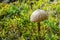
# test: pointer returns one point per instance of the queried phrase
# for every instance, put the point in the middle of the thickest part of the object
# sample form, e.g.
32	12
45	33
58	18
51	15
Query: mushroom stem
38	31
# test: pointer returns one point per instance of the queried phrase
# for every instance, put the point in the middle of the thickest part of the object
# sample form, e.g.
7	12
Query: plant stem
38	31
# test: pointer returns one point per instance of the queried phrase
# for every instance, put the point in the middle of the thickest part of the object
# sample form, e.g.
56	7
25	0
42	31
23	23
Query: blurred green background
15	20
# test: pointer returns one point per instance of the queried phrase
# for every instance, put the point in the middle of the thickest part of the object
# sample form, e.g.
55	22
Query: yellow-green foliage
15	20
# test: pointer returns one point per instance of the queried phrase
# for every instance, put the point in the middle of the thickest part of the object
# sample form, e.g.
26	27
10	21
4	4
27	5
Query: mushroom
38	16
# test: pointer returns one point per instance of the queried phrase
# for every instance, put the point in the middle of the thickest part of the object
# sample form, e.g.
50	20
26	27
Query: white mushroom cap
38	15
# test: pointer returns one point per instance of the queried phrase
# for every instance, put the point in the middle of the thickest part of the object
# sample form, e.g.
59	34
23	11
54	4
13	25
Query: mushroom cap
38	16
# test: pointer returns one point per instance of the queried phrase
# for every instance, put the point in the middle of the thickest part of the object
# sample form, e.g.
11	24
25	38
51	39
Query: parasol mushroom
38	16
